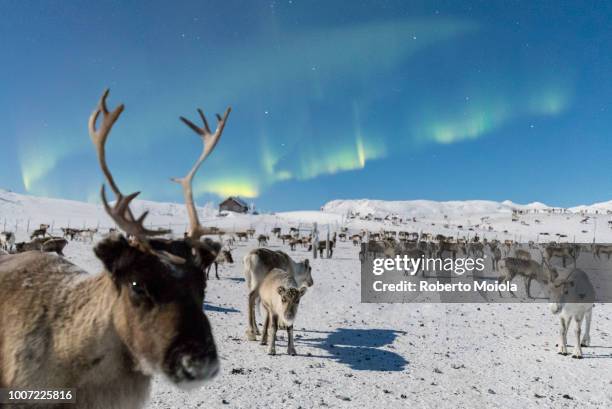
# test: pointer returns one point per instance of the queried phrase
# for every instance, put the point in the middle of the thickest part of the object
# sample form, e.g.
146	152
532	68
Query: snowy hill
427	208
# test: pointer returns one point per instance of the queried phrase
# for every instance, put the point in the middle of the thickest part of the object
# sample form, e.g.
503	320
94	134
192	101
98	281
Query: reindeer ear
281	290
114	252
303	290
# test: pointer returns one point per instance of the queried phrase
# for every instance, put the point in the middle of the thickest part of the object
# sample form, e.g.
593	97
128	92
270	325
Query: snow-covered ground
374	355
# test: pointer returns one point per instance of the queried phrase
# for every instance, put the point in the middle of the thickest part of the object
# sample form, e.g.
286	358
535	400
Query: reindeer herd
107	334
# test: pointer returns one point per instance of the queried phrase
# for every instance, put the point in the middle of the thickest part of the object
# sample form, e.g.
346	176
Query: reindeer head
160	282
303	273
290	301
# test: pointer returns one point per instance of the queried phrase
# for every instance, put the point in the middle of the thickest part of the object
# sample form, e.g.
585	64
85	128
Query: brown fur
61	327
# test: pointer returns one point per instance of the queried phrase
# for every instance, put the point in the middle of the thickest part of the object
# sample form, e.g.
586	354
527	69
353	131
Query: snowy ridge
428	208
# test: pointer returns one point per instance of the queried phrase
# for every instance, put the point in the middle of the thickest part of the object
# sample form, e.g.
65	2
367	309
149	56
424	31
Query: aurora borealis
331	99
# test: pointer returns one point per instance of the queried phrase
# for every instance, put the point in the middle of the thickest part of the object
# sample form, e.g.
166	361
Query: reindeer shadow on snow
359	349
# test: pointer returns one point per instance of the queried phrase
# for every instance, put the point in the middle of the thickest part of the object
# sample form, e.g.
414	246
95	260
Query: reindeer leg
563	333
272	347
577	349
264	336
252	325
528	286
216	270
586	339
290	346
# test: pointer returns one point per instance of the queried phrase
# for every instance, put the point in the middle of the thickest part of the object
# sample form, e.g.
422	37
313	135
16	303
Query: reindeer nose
196	368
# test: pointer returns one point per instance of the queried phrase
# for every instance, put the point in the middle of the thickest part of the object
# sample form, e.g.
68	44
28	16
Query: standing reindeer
106	334
257	265
572	298
41	231
224	256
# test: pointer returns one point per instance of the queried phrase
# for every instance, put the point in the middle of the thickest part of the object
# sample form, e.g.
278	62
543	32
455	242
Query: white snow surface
356	355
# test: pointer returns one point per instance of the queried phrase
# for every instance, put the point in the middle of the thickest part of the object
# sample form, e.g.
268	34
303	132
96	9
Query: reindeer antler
209	140
121	212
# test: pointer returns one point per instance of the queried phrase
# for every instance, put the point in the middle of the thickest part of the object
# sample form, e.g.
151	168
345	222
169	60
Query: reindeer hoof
250	336
263	342
562	353
291	352
271	352
577	356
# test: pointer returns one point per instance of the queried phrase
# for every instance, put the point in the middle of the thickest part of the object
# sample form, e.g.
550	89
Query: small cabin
233	204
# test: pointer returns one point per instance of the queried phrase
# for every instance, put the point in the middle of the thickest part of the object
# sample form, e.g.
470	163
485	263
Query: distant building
233	204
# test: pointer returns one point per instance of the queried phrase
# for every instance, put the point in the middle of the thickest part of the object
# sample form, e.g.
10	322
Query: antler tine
209	140
121	212
121	209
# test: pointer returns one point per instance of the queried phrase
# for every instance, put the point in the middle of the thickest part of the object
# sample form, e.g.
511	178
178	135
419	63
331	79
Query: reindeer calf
280	296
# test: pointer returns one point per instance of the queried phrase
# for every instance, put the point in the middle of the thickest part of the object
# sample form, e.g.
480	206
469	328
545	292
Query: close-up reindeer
107	334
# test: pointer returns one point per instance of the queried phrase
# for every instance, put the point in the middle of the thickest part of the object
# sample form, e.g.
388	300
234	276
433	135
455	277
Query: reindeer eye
137	289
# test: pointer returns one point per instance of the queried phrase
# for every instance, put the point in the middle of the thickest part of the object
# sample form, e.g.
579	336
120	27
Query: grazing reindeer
224	256
7	241
280	295
262	240
107	334
572	298
257	265
251	232
276	231
41	231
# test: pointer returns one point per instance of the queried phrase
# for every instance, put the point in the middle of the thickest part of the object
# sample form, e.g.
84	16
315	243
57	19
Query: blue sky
331	99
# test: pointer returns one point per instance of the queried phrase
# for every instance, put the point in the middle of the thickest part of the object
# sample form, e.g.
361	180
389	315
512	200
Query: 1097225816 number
37	395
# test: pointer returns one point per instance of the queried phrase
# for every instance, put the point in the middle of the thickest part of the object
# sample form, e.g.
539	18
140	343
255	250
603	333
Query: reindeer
496	255
41	231
322	246
251	232
276	231
7	241
528	269
107	334
257	265
242	235
356	238
262	240
280	296
286	237
224	256
522	254
562	251
342	236
46	245
69	233
572	298
599	249
293	243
